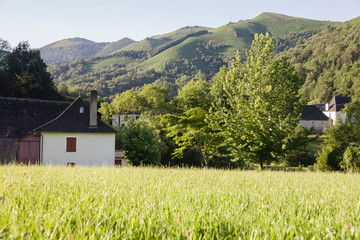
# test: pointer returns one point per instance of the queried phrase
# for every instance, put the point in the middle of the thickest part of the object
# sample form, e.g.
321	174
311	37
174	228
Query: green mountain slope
223	42
355	20
158	40
280	25
74	48
189	52
115	46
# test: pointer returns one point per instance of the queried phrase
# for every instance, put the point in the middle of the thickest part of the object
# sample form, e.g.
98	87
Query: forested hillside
173	59
329	62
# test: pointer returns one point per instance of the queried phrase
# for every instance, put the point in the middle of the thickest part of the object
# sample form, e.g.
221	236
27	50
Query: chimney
93	109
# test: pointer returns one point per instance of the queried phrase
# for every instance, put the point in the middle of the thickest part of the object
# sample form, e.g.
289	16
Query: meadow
42	202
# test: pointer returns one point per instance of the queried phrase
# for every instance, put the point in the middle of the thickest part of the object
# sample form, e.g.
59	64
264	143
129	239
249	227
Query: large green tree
26	74
126	103
187	126
259	105
151	101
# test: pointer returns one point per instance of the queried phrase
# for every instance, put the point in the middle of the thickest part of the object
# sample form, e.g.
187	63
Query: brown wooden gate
29	149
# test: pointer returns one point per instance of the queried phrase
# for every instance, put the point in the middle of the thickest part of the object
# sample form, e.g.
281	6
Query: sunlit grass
154	203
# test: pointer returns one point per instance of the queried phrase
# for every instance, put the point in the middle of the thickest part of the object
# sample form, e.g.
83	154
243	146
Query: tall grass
154	203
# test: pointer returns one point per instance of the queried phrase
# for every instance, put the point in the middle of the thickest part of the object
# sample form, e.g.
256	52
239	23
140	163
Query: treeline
110	81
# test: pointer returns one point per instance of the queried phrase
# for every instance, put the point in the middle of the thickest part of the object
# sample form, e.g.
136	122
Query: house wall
318	125
92	149
331	115
8	149
335	116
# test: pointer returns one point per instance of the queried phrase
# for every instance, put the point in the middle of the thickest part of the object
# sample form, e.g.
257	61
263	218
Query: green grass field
154	203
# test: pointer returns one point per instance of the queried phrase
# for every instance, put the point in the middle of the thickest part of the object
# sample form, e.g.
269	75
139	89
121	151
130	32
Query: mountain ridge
71	49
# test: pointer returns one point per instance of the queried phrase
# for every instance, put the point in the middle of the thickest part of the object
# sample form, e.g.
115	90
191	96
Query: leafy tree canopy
260	107
188	127
24	74
151	100
140	144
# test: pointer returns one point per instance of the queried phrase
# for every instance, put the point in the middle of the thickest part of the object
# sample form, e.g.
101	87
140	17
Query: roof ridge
33	100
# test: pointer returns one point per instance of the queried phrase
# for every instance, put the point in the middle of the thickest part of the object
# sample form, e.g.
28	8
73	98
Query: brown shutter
71	144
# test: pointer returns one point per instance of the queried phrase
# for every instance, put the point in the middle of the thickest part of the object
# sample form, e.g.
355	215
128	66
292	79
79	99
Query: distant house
123	119
334	106
317	116
52	132
313	118
120	159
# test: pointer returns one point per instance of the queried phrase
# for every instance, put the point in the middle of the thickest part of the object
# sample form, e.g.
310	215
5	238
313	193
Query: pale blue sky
45	21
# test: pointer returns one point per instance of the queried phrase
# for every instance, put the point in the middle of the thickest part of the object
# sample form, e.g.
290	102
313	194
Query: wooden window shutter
71	144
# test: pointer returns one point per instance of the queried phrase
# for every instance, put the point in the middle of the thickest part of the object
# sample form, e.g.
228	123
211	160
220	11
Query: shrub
140	144
351	159
329	158
296	151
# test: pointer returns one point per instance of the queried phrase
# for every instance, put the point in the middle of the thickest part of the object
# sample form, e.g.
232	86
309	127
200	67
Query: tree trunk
205	163
260	166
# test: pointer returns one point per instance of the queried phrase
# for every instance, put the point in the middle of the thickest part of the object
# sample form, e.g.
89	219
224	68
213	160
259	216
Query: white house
57	133
332	109
77	137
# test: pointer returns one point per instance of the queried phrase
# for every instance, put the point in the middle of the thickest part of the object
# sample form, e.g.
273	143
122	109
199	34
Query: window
71	144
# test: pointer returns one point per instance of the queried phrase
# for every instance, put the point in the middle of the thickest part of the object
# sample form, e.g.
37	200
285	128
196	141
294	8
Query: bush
336	140
351	159
140	144
341	148
296	151
329	158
